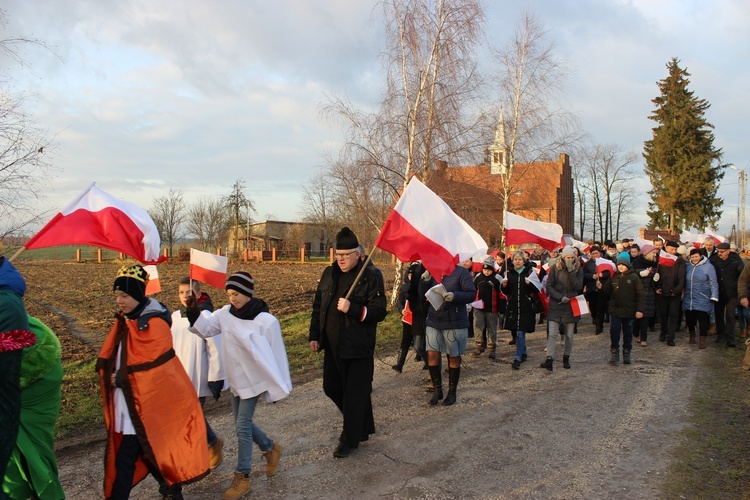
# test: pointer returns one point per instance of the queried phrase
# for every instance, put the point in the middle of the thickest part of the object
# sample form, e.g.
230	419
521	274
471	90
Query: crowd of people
156	369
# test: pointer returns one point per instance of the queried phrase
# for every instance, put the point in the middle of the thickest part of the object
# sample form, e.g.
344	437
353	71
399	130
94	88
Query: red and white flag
603	264
423	227
208	268
152	285
667	259
579	305
519	230
99	219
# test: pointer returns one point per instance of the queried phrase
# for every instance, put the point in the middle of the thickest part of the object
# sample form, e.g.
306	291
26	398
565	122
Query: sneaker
644	343
215	453
272	459
240	486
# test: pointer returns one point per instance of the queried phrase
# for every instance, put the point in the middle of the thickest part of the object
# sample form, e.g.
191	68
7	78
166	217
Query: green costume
32	470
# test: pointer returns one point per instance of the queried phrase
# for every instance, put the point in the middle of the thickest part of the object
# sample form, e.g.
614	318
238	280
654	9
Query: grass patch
712	459
81	408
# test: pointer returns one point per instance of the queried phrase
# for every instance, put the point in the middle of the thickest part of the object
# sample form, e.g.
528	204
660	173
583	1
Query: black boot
547	363
566	362
401	360
437	382
453	375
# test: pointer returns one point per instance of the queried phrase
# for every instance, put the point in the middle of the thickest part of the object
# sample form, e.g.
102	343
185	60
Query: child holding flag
625	294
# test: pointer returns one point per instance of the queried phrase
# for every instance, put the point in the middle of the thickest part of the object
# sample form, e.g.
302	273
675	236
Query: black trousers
127	455
348	383
701	318
725	320
669	310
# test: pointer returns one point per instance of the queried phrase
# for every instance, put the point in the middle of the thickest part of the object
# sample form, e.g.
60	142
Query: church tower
499	150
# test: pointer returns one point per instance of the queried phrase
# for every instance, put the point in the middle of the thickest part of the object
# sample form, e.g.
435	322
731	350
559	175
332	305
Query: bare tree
431	83
168	213
26	151
318	207
582	194
238	205
207	220
533	125
610	174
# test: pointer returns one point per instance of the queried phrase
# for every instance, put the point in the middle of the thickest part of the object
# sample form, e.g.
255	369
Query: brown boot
240	486
702	342
216	454
712	329
692	338
272	459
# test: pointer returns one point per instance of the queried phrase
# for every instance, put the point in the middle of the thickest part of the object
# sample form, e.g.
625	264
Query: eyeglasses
345	255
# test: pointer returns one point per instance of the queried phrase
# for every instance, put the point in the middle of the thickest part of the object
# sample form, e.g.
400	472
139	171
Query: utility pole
742	206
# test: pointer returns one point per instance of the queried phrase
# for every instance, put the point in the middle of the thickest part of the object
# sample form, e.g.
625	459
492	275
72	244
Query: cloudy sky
147	95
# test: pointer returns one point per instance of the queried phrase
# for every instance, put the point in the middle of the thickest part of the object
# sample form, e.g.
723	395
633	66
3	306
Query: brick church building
541	191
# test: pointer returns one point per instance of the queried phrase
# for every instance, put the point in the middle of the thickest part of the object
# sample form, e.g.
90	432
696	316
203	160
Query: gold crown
136	272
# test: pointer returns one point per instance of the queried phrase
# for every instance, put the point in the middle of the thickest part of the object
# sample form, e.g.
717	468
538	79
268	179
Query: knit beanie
241	282
624	259
132	280
647	249
568	250
346	239
489	263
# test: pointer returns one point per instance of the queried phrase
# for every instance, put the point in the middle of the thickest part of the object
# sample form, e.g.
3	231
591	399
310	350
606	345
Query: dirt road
594	431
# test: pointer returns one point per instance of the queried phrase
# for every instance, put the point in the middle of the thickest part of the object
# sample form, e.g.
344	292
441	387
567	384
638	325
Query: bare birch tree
431	82
208	220
318	207
534	125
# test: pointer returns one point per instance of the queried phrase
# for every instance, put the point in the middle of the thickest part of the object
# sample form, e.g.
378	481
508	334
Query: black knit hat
132	280
241	282
346	240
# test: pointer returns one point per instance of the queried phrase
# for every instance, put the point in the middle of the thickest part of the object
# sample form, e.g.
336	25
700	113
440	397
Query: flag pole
359	275
19	252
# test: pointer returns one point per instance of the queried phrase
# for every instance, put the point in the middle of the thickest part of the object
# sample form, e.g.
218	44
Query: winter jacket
589	276
701	287
488	291
727	274
625	294
356	329
520	313
451	315
672	278
562	283
640	264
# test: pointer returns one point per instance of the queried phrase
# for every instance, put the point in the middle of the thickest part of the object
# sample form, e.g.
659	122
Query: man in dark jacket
487	314
448	328
728	266
670	283
344	328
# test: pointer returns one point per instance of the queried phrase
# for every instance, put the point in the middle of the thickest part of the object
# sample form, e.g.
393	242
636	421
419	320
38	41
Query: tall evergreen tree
681	161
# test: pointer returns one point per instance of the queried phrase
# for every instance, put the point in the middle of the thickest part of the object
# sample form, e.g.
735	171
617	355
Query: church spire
499	149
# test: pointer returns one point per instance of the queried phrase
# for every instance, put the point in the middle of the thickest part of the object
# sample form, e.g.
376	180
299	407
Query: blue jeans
617	324
247	432
210	434
743	316
520	344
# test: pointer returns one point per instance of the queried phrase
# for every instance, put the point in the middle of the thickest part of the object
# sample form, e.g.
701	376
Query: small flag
153	286
208	268
579	306
603	264
407	317
666	259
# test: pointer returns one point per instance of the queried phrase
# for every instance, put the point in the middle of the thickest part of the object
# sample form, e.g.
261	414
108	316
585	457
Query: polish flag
667	259
98	219
408	316
603	264
579	305
152	285
208	268
423	227
519	230
581	246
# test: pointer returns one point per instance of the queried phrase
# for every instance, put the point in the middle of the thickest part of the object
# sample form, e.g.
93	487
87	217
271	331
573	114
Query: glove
426	276
656	277
191	309
448	296
644	273
498	277
565	300
216	388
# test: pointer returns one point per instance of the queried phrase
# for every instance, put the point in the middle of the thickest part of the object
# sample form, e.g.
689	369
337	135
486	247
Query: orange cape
162	403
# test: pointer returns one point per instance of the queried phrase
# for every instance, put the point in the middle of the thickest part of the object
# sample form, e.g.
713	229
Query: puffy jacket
701	287
562	283
625	294
672	279
358	326
451	315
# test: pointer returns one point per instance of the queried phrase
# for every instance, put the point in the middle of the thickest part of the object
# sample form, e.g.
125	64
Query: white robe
253	352
200	357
